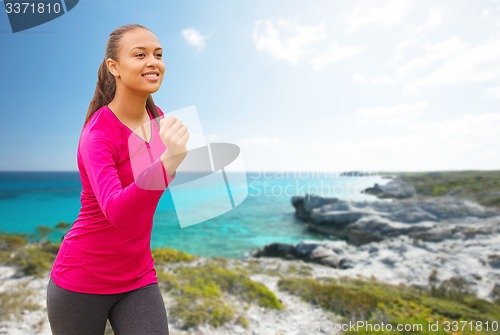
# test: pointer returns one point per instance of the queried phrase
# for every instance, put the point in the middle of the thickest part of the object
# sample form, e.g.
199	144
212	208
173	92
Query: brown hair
106	83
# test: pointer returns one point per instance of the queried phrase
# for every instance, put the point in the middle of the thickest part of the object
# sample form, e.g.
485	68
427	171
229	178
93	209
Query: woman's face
139	67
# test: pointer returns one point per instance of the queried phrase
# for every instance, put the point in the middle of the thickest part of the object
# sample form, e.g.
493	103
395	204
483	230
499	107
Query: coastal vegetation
205	292
377	303
480	186
16	300
29	257
208	293
217	292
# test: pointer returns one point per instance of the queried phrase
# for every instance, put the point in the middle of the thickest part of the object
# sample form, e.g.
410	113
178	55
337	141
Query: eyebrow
144	48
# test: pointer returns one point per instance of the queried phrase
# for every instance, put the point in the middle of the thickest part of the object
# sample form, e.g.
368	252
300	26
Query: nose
152	61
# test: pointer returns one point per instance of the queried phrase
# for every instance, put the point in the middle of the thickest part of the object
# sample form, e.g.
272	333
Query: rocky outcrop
395	189
326	253
408	239
305	205
430	219
403	260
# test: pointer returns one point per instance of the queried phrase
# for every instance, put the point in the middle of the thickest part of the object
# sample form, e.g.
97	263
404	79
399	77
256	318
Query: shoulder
102	129
102	120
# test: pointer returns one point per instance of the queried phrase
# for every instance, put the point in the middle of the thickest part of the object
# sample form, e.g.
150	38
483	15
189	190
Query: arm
119	204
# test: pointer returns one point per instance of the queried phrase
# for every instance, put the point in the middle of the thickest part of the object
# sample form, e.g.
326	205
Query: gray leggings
138	312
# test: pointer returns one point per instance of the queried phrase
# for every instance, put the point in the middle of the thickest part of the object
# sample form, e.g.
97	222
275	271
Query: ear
113	67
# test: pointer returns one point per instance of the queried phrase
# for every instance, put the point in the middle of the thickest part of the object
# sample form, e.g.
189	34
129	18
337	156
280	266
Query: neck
128	106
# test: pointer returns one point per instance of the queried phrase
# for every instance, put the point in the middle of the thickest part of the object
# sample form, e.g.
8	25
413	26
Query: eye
159	55
139	55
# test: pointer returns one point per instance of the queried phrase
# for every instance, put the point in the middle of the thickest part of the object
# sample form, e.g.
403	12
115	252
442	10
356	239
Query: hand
174	135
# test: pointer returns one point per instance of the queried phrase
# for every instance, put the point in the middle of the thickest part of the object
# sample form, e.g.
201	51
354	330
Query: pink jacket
107	250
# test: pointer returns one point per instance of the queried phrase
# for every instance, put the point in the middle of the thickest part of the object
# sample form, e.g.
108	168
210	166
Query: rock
444	243
338	218
395	189
429	219
454	192
326	253
281	250
495	292
463	265
305	204
356	174
494	261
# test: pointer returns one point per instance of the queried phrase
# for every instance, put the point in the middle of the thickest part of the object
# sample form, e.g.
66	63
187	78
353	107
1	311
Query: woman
104	268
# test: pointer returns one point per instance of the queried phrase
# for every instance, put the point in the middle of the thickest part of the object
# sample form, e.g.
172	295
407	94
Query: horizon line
292	171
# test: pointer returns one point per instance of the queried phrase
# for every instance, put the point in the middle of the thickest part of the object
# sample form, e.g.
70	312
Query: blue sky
298	85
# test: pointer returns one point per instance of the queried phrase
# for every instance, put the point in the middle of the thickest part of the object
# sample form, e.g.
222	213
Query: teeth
151	75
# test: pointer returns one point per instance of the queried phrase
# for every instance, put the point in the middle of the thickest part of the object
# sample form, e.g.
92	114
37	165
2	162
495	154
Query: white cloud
434	52
400	49
263	141
494	92
475	65
289	41
195	38
383	79
468	141
217	137
444	62
464	136
388	14
464	142
402	113
434	20
286	40
334	54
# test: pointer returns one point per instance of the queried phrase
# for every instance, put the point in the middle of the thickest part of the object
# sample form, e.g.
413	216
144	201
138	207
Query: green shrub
202	294
377	303
33	259
454	288
234	282
194	312
302	270
42	233
243	321
12	242
36	260
16	300
168	255
9	245
481	186
353	301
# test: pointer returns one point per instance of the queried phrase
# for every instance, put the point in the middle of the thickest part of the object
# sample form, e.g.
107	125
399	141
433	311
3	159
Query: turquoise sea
31	199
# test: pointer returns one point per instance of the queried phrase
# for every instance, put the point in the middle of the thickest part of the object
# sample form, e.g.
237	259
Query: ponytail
150	105
104	90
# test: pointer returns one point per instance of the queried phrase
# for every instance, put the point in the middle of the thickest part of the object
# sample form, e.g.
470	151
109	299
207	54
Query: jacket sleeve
120	205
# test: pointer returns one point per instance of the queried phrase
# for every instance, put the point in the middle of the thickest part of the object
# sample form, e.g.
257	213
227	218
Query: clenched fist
174	135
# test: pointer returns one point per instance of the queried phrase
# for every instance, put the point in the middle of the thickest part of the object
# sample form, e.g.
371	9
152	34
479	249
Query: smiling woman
104	268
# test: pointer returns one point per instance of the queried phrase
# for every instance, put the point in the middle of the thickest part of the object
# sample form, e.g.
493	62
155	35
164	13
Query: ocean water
31	199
